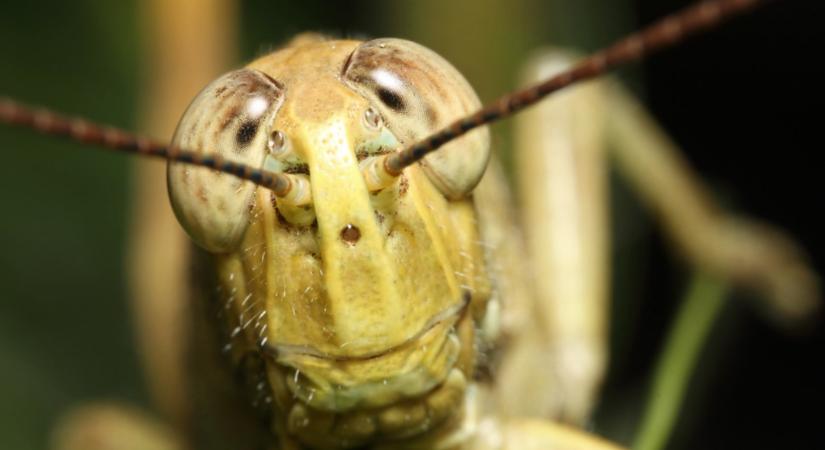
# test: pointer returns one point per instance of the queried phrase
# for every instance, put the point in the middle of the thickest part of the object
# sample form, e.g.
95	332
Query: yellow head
363	302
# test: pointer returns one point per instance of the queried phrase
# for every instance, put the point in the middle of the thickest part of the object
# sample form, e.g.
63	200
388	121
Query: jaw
406	419
411	391
405	372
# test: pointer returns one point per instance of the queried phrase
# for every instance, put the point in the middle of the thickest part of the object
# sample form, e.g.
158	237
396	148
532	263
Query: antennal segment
48	122
660	35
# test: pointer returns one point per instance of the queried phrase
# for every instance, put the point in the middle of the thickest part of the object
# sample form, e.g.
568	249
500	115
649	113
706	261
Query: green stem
693	323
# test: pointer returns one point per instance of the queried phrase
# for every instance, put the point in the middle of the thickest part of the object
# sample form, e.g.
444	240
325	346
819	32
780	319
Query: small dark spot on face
403	185
220	91
350	234
246	133
391	99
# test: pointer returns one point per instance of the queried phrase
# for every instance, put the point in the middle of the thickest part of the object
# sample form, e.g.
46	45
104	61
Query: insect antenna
49	122
658	36
662	34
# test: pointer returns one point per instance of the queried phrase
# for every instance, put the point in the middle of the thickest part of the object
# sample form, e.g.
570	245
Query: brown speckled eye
230	117
417	93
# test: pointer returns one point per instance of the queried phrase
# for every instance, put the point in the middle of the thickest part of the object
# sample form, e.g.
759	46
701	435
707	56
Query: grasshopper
300	219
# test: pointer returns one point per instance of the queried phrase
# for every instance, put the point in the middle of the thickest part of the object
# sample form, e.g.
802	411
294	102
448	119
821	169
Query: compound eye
230	117
418	92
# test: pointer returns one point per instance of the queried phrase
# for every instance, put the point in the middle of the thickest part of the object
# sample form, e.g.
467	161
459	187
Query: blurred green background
65	335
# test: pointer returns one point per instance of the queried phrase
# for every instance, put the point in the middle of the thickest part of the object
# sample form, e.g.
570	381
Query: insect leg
188	44
561	175
530	434
744	252
104	426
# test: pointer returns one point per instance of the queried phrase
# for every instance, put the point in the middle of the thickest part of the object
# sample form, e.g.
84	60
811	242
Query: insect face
357	296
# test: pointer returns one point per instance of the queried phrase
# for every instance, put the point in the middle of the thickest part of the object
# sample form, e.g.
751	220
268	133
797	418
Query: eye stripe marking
246	133
391	99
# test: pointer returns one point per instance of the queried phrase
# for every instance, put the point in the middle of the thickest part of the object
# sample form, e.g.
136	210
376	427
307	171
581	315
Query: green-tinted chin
435	409
404	373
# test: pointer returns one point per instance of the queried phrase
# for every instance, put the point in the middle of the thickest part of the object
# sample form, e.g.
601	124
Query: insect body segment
364	306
